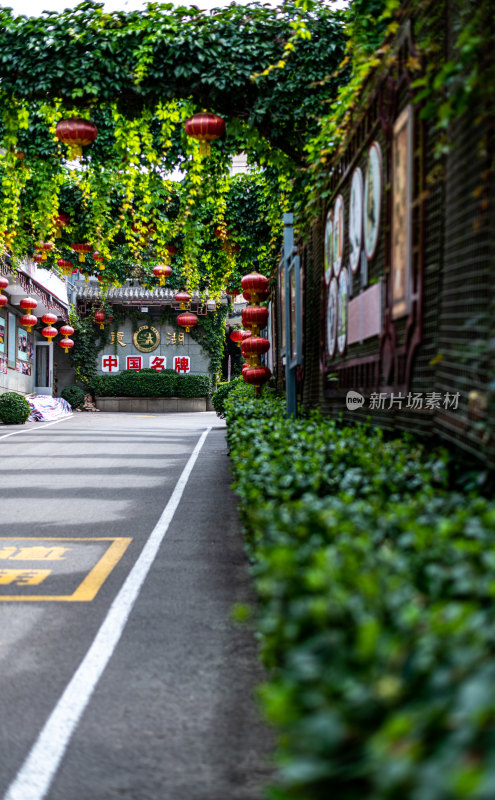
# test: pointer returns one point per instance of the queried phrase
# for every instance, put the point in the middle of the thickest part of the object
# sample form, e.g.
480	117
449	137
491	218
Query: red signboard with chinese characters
182	364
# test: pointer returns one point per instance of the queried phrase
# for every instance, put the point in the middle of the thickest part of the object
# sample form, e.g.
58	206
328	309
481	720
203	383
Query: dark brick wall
449	334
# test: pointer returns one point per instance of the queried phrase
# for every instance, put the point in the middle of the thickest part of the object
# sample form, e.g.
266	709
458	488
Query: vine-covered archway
269	73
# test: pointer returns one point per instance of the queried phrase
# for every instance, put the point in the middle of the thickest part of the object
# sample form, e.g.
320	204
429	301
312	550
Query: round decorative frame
356	219
332	317
372	200
328	255
342	307
338	235
146	348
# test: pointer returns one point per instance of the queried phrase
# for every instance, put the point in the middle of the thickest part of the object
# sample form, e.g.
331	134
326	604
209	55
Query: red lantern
254	346
206	128
187	321
28	303
171	249
3	284
3	300
255	318
254	283
38	258
100	319
239	335
256	376
65	266
44	248
162	271
76	133
261	295
49	333
183	298
97	256
222	232
232	292
244	368
27	321
61	221
81	248
230	247
66	344
49	319
66	330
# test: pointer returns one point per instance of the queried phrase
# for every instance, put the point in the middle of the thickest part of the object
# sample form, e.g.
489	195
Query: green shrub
149	383
14	408
219	397
74	395
375	612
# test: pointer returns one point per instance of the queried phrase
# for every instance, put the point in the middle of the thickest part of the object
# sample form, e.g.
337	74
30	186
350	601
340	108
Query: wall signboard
401	214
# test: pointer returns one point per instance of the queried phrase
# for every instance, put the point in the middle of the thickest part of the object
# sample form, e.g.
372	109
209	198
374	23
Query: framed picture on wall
292	295
12	340
372	200
338	235
22	345
295	312
332	317
400	256
270	337
281	290
342	306
328	246
355	219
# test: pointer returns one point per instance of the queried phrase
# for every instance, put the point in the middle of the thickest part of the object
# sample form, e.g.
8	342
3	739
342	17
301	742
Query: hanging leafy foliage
138	76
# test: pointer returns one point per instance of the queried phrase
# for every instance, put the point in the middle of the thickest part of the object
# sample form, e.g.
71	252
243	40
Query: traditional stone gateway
151	345
142	335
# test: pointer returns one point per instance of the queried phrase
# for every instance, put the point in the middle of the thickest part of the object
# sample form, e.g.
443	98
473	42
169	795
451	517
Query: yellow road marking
92	583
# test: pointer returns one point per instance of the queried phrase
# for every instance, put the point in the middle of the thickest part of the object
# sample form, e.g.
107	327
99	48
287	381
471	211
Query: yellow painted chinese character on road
23	577
120	338
40	553
33	553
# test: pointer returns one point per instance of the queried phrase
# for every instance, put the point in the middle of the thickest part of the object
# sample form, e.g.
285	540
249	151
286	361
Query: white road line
36	774
30	430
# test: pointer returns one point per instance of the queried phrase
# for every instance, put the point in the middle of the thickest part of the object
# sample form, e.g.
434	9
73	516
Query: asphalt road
121	673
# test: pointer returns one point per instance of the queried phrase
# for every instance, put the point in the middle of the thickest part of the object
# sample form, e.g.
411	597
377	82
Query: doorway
43	371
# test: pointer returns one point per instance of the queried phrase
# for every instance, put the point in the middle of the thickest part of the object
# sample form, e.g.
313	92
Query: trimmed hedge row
219	397
376	616
149	383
